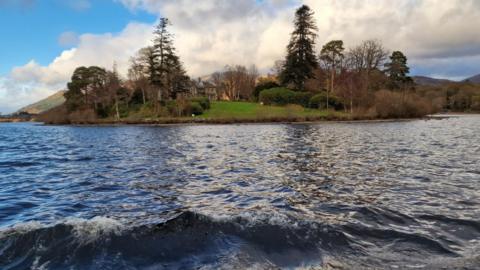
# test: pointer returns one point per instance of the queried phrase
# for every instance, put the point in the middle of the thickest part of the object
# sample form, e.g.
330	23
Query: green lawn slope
255	111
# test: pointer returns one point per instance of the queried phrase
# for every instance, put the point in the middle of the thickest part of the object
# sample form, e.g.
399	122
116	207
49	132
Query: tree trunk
351	103
116	109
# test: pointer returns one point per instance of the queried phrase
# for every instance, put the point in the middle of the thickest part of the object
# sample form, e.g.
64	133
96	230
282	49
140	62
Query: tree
277	68
85	88
113	87
332	56
142	68
397	70
238	82
169	75
301	61
366	60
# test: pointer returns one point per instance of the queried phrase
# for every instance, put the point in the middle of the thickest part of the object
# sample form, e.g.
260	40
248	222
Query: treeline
365	81
157	85
453	97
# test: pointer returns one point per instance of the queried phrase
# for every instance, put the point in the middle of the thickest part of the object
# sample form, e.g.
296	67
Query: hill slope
46	104
474	79
422	80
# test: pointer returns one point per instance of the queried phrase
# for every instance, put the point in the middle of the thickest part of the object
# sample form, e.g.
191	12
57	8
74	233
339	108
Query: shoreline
201	122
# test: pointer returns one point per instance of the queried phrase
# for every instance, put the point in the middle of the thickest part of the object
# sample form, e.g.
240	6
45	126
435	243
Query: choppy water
335	196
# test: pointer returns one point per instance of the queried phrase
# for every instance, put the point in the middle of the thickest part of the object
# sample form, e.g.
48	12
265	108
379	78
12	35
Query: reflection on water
385	195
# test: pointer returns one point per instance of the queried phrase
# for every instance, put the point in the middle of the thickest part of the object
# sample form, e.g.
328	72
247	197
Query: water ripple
335	195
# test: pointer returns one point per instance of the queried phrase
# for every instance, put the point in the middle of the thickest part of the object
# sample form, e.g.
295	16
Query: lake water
393	195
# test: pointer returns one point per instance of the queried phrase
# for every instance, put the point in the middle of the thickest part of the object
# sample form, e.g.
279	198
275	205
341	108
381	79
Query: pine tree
397	70
301	61
169	74
85	88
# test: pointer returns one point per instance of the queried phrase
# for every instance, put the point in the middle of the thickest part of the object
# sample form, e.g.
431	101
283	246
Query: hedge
264	86
319	101
203	101
284	96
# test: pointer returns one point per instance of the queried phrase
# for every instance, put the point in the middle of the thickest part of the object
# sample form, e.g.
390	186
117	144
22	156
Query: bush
284	96
183	108
277	96
319	101
390	104
103	111
264	86
203	101
302	98
137	97
61	115
57	115
196	108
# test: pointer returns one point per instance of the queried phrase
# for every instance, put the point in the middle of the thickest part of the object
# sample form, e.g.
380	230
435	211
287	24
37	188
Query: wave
191	240
18	164
188	240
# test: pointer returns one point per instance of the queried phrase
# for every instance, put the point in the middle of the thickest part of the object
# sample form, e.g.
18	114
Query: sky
43	41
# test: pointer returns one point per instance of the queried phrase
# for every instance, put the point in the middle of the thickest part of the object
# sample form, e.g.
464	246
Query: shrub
390	104
284	96
319	101
82	117
203	101
195	108
137	97
183	108
264	86
103	111
277	96
302	98
57	115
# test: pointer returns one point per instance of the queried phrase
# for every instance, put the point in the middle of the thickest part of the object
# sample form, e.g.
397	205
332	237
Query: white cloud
13	95
214	33
32	82
423	29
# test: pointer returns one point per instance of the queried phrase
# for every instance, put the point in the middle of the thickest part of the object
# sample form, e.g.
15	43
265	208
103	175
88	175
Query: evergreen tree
397	70
85	88
301	61
169	75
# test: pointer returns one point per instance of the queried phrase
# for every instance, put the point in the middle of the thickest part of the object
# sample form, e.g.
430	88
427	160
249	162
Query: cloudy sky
44	40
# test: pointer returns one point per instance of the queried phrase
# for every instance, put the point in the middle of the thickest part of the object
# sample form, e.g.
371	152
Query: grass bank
249	110
220	112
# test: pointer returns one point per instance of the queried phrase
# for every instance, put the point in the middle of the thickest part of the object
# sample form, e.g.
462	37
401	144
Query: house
204	88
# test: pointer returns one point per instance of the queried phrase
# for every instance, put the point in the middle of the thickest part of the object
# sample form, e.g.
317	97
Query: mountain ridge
45	104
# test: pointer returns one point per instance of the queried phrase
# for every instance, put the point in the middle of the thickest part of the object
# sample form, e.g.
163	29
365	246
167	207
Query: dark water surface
399	195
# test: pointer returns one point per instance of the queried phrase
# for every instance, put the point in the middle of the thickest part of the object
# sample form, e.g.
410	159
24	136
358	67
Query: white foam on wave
84	230
252	218
88	231
21	228
37	266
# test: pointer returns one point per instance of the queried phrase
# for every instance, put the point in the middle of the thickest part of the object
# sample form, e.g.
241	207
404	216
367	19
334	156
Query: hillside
474	79
46	104
423	80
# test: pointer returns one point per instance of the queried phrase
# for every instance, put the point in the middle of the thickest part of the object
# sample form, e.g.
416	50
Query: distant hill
474	79
423	80
46	104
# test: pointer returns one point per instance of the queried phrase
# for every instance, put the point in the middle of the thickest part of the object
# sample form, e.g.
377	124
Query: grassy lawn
249	110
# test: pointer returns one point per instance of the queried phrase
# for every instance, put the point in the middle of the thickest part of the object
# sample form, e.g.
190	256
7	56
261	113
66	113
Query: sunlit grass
249	110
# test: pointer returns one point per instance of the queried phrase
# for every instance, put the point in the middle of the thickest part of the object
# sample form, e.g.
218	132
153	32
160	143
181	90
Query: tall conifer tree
301	61
169	76
397	70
